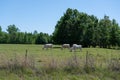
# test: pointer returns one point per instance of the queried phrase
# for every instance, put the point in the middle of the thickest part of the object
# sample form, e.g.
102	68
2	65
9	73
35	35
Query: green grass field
57	64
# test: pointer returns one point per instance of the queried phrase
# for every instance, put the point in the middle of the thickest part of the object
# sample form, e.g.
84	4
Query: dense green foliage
14	36
88	30
74	27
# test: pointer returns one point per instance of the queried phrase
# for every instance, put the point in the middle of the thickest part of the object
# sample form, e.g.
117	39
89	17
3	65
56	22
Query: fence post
26	57
87	58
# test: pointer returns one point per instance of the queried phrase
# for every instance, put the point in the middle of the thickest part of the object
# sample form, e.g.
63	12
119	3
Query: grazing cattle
75	46
48	46
65	46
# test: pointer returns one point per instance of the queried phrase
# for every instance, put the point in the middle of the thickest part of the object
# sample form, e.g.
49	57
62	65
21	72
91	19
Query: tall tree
12	30
105	25
68	29
1	36
114	33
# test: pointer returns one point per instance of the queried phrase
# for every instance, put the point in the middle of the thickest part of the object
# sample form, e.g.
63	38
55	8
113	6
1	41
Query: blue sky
42	15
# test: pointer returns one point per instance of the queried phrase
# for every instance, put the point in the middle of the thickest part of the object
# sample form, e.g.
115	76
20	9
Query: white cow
75	46
48	46
65	46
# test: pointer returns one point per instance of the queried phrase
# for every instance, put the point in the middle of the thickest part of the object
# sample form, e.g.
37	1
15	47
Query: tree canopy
88	30
14	36
74	27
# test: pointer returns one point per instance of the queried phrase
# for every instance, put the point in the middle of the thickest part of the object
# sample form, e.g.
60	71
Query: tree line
73	27
88	30
14	36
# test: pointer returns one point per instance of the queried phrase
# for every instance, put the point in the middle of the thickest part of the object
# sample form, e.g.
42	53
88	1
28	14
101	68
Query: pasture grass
30	62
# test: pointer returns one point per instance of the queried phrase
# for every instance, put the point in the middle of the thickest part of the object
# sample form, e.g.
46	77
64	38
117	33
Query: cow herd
73	48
